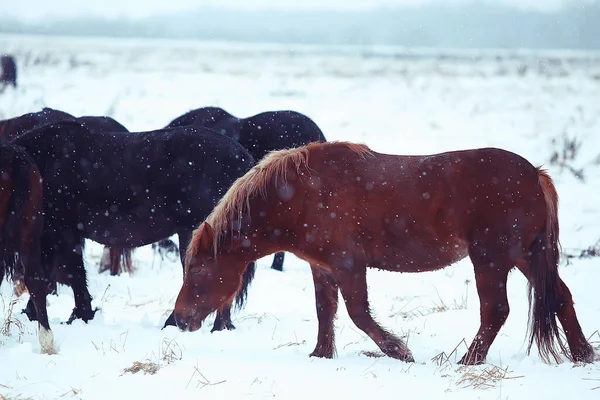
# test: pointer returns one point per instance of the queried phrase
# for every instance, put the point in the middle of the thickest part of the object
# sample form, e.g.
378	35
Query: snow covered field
422	103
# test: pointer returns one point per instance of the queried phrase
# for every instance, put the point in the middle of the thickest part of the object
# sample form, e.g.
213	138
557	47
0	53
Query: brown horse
21	226
343	207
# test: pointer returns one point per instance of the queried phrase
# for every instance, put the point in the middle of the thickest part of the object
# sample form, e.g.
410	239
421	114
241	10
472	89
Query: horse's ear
206	236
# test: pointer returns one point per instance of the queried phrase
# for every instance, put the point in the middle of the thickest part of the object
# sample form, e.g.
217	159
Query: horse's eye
195	271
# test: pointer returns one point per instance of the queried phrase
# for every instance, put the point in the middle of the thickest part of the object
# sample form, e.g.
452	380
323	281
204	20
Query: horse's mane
274	165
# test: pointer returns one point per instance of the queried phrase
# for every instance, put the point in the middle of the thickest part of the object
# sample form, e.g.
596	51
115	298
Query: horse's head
209	284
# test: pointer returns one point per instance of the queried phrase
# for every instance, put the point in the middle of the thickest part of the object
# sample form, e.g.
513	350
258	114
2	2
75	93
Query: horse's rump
21	205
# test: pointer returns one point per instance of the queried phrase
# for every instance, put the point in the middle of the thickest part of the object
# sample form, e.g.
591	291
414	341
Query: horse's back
204	116
15	127
132	154
154	161
102	124
276	130
422	211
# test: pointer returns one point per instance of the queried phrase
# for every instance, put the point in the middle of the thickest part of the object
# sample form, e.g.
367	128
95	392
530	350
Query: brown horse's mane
274	165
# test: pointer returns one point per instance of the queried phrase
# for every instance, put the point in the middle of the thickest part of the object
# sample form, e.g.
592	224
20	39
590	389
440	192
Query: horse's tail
247	277
544	283
24	196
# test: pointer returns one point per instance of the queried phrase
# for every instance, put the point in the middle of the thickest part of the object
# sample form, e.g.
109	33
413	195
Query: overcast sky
36	9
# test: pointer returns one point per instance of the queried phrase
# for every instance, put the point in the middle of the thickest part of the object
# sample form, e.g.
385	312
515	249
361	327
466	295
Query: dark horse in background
344	208
21	227
8	70
259	134
112	257
125	190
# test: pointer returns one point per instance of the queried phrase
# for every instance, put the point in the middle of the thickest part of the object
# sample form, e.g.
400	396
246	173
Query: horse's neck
250	244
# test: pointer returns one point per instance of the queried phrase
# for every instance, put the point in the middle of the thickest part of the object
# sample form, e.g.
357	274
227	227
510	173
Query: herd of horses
238	189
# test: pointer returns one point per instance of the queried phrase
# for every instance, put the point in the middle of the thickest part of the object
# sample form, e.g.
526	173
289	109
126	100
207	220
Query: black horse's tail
23	218
247	277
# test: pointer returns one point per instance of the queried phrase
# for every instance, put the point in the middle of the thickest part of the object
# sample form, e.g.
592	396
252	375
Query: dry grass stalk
485	378
596	380
73	392
171	351
290	344
443	359
9	320
595	343
202	381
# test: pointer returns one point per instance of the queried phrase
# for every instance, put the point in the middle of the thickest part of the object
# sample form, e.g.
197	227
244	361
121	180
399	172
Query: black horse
259	134
21	227
8	70
126	190
112	257
15	127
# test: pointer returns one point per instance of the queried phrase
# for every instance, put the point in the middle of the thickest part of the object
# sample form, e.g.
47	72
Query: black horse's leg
278	261
223	320
29	309
72	257
47	257
36	284
184	240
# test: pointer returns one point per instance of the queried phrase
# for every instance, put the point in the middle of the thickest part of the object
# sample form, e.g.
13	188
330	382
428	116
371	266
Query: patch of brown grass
148	367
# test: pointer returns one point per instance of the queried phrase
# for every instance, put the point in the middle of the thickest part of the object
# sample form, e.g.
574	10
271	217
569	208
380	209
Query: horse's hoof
30	314
322	352
170	321
399	352
85	316
227	325
587	355
468	359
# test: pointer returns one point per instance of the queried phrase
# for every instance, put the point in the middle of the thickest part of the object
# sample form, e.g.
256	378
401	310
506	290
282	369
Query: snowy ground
393	103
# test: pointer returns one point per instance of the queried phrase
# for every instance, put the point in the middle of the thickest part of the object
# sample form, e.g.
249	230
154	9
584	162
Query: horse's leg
128	263
223	318
353	285
47	257
37	286
105	260
491	274
72	257
581	350
115	260
326	300
278	261
184	240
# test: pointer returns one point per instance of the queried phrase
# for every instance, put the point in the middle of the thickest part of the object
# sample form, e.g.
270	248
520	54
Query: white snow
393	104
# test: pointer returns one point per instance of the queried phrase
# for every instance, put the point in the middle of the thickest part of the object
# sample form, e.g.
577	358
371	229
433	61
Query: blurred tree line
478	25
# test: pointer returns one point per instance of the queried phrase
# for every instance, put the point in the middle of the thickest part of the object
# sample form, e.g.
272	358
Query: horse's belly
422	258
128	231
